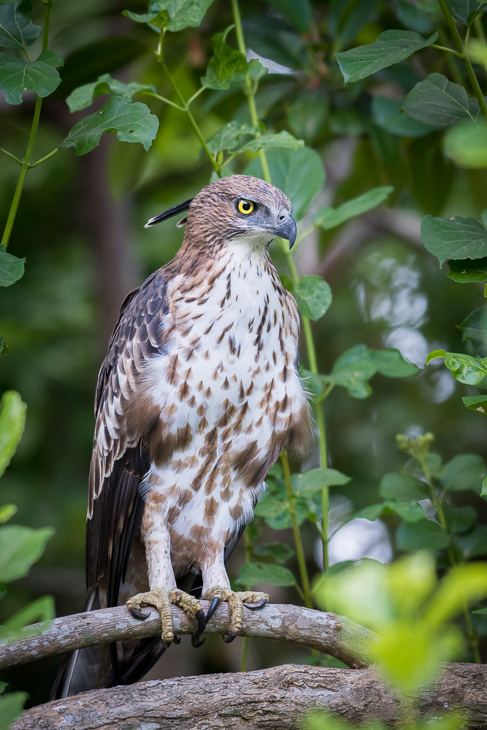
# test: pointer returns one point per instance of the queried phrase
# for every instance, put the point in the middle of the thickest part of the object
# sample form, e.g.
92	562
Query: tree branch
274	699
326	632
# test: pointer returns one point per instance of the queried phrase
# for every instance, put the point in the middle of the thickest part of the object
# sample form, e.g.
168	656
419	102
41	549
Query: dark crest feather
169	213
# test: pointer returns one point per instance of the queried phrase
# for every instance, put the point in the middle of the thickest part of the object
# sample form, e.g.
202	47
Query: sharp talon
195	640
256	606
176	639
201	619
231	636
142	615
213	606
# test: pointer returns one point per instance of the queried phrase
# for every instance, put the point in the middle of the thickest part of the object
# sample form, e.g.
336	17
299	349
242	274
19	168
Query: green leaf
131	122
439	102
11	707
464	471
270	507
287	283
228	138
466	271
11	267
84	96
391	363
476	403
158	19
283	140
454	238
387	115
481	611
6	512
307	114
459	519
315	480
422	535
408	511
462	586
227	65
313	296
474	543
277	552
20	547
299	174
182	13
464	368
466	145
391	47
474	330
402	488
40	76
41	610
298	12
4	348
331	217
252	574
12	421
461	9
16	28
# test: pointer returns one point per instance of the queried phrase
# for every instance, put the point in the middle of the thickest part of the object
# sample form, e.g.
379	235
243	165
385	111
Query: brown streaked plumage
196	398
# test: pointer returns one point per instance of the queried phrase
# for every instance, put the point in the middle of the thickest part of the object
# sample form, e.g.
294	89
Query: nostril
281	217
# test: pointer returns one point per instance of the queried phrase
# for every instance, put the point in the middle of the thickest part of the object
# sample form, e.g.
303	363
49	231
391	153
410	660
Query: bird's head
237	207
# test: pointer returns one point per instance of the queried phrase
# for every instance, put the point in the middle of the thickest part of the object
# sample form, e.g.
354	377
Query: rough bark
326	632
269	699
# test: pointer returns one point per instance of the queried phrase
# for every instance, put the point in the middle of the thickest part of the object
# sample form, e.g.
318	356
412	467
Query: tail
105	665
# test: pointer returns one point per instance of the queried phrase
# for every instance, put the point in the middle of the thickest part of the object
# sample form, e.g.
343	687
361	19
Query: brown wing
120	460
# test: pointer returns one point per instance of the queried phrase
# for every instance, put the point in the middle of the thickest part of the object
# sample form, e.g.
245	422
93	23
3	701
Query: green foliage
331	217
16	28
227	65
20	547
313	296
130	122
40	76
390	47
84	96
466	145
457	238
12	421
439	102
11	268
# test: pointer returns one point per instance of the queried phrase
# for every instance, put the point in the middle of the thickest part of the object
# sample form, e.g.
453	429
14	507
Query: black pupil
246	206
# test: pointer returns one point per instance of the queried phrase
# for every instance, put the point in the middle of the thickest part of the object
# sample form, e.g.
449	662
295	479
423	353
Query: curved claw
213	606
195	640
176	639
201	619
231	636
256	606
142	615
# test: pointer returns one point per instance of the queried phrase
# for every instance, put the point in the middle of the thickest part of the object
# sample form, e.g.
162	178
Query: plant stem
444	48
297	535
308	334
463	55
9	154
46	157
184	105
25	163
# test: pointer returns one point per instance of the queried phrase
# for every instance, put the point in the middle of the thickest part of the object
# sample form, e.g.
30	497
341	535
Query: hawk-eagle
197	396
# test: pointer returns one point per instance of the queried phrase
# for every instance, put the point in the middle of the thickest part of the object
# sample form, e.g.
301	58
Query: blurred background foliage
80	227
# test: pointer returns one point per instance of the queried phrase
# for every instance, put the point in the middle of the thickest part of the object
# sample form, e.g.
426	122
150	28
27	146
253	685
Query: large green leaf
454	238
390	47
11	267
387	115
466	145
229	137
282	140
331	217
12	422
40	76
408	511
40	610
182	13
465	271
440	102
299	174
83	96
20	547
274	552
464	471
464	368
474	330
130	122
421	535
402	487
16	28
461	9
473	543
313	296
315	480
227	66
252	574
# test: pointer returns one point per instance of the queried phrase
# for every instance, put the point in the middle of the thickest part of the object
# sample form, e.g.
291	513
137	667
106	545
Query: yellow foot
236	601
162	600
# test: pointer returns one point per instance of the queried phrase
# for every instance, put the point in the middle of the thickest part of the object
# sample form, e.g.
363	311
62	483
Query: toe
213	606
256	606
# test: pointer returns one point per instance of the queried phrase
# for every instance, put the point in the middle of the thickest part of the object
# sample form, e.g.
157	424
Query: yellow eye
246	207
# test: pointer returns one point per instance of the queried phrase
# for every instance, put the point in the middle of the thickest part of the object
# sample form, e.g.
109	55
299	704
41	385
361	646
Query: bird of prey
196	398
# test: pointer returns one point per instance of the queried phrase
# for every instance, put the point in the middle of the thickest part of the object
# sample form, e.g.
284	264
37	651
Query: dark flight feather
169	213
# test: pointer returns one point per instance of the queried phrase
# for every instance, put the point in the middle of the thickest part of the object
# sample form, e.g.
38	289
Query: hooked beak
286	227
